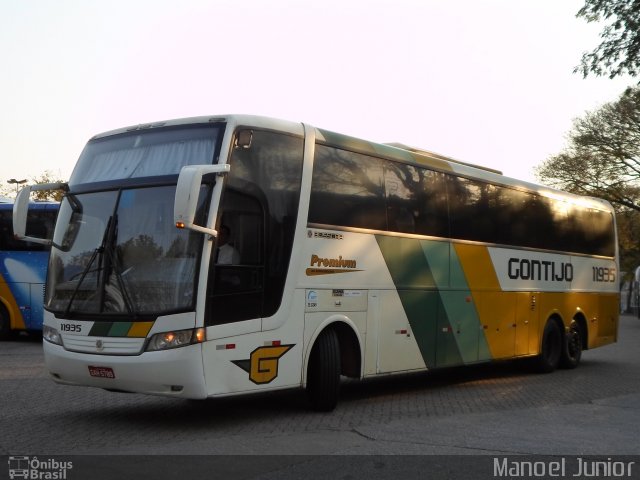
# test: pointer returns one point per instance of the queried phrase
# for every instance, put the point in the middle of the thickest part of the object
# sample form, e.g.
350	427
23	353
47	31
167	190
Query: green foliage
9	191
619	52
43	195
628	234
603	154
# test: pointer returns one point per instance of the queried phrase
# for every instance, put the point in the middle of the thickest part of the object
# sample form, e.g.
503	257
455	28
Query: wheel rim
574	343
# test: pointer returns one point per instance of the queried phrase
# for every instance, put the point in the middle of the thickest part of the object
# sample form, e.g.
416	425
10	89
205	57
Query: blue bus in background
23	269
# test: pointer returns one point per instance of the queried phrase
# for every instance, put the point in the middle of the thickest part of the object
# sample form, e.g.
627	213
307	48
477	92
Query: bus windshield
118	252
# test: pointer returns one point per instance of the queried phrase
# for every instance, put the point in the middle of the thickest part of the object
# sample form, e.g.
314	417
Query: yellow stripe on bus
9	301
496	309
139	329
478	267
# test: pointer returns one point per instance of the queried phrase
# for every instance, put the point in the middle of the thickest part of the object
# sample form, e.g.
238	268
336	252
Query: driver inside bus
226	254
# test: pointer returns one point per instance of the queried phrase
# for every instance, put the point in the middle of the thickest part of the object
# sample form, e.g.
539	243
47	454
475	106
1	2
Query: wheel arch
350	341
6	308
581	320
554	316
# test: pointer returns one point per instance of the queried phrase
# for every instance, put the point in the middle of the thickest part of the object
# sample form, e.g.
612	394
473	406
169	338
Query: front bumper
176	372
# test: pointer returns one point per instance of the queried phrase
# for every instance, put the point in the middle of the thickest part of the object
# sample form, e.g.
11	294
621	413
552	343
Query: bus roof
248	120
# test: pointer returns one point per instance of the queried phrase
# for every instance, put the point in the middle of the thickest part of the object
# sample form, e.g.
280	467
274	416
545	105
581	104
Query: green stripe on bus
110	329
100	329
436	299
119	329
406	262
417	288
422	309
458	303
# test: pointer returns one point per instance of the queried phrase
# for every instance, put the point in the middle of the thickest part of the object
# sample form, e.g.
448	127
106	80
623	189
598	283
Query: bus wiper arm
87	269
116	267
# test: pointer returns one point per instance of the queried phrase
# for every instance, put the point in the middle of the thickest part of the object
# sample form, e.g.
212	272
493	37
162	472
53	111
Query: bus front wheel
551	350
323	374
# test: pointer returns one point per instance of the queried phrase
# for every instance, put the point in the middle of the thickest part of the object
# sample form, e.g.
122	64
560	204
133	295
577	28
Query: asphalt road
483	412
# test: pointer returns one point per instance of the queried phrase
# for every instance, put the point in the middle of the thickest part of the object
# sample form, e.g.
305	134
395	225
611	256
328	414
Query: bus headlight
179	338
52	335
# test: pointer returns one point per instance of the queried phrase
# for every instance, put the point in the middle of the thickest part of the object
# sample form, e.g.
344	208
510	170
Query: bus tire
551	350
5	324
323	373
572	351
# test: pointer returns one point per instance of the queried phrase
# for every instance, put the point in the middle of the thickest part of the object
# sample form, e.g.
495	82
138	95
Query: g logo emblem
262	366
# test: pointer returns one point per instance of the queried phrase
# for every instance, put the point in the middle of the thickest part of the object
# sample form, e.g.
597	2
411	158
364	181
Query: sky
488	82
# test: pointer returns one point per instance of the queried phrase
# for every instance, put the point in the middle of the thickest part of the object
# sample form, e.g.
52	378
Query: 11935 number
604	274
71	327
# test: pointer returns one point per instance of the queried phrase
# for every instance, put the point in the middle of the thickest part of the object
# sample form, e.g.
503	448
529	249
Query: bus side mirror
21	210
187	191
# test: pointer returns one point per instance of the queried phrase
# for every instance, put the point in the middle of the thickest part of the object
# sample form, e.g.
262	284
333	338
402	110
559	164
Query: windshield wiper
111	265
114	266
87	269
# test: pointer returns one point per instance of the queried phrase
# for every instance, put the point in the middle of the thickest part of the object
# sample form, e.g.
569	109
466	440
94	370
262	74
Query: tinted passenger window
472	210
589	231
356	190
416	200
347	189
600	235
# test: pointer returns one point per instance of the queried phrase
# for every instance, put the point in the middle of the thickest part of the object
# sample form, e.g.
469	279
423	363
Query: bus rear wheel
323	374
572	351
551	350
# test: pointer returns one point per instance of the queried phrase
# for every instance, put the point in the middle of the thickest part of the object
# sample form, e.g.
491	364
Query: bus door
237	267
257	213
527	319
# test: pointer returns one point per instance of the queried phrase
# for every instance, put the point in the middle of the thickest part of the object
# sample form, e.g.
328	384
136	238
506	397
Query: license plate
102	372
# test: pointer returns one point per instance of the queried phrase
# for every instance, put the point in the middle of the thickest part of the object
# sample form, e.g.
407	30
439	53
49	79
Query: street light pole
17	183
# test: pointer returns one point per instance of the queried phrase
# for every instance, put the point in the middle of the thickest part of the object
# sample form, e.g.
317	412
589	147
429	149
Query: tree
619	52
628	222
5	191
603	154
43	195
9	191
602	159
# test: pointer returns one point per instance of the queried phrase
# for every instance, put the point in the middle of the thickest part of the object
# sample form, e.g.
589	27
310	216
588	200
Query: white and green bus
341	257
